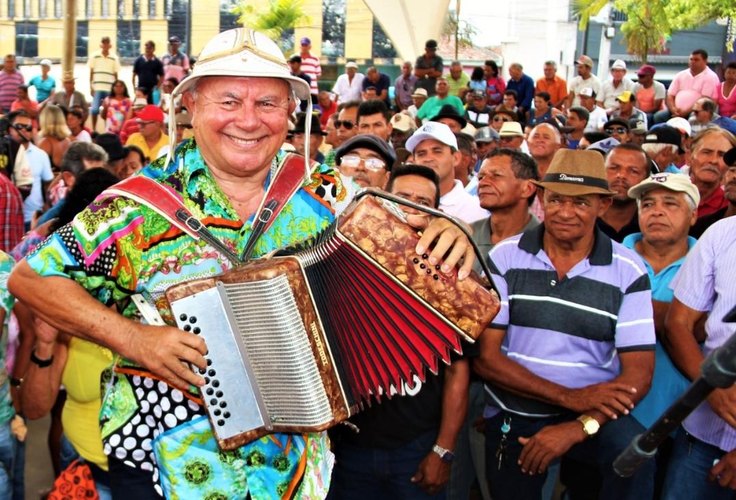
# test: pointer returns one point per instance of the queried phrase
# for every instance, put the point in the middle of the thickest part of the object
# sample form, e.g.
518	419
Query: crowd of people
603	210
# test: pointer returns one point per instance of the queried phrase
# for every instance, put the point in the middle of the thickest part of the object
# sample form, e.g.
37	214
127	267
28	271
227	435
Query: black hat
174	39
372	142
616	121
112	146
301	122
296	58
449	111
664	134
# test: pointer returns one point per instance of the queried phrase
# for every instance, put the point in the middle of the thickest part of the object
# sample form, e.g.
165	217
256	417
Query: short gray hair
690	202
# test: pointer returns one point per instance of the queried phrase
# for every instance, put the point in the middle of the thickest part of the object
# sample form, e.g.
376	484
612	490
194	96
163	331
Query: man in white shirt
597	115
349	85
614	87
585	79
435	146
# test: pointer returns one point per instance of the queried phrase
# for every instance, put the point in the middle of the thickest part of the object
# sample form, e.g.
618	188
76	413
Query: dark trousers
128	483
509	482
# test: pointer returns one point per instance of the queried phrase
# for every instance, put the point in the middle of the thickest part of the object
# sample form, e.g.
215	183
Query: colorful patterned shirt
116	248
6	303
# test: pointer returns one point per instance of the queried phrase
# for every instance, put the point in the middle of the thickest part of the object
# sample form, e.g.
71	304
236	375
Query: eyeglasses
344	123
617	130
501	119
353	161
19	126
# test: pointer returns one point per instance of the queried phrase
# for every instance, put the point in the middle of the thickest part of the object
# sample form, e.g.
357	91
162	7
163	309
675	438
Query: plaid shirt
11	215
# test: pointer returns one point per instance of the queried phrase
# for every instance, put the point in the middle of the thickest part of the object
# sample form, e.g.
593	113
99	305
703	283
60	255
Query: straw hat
576	173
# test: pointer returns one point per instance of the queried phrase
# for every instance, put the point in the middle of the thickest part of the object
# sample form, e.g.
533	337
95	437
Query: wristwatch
445	454
590	425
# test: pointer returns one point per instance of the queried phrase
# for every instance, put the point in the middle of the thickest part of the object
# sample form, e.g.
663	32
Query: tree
651	22
456	29
275	18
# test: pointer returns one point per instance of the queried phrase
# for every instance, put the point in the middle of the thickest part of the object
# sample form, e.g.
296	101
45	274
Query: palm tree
275	18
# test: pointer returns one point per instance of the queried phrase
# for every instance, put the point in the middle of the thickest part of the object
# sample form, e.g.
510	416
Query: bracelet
42	363
16	382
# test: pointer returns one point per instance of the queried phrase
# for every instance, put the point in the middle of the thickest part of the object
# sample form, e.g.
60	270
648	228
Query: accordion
300	342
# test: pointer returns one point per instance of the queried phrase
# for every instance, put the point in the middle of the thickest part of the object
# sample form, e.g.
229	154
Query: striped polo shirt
104	70
570	330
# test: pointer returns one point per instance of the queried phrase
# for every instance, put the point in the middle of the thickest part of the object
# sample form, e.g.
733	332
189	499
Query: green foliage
273	17
465	31
651	22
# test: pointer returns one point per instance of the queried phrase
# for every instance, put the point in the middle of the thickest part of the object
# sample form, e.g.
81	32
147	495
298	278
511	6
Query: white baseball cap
45	62
243	52
432	130
681	124
674	182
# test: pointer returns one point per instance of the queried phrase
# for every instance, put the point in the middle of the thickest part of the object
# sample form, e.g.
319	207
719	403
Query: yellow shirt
80	417
151	153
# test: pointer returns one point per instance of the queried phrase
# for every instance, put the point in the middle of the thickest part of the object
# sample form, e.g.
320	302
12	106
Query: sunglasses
19	126
344	123
501	119
617	130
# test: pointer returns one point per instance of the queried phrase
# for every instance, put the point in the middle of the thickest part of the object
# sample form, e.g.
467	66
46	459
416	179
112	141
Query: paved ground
39	474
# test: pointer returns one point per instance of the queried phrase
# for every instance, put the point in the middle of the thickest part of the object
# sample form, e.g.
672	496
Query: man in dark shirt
428	68
523	85
295	63
626	166
148	70
380	82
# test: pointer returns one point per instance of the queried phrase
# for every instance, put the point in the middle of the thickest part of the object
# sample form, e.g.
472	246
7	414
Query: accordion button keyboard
187	328
183	317
193	319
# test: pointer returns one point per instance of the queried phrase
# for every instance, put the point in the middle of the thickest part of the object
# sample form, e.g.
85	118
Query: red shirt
713	203
326	113
11	215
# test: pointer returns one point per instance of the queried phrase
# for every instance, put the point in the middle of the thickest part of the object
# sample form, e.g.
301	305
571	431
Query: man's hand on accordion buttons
167	352
449	246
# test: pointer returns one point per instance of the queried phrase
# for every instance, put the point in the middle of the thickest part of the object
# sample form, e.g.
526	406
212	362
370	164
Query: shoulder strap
168	204
289	177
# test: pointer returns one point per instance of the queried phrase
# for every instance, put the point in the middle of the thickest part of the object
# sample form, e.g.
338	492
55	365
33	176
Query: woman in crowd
75	363
543	110
53	136
495	84
75	122
117	107
726	94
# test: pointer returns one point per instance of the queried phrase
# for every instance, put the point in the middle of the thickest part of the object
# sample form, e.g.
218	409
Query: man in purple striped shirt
10	80
703	463
572	349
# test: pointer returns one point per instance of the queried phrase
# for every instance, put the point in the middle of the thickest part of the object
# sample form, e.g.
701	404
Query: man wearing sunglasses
617	128
367	159
21	132
347	121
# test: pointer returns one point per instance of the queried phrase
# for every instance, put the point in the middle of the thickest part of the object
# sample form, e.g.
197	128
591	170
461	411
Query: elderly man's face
456	70
515	72
498	186
366	167
486	147
665	216
239	123
543	142
625	169
572	218
351	71
706	161
618	74
549	71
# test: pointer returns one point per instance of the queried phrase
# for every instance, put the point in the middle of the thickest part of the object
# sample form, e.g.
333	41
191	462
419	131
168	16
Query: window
136	9
382	46
333	28
129	36
82	44
58	10
151	9
105	8
43	9
26	9
228	20
121	8
168	7
11	9
89	9
26	39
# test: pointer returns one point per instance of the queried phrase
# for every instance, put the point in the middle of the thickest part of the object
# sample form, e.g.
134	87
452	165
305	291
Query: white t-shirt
609	93
41	172
345	90
463	205
596	120
577	84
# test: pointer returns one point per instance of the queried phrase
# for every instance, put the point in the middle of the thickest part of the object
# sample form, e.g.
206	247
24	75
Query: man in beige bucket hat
571	351
155	430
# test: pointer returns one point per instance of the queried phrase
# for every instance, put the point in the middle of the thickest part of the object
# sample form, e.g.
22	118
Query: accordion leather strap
167	203
285	183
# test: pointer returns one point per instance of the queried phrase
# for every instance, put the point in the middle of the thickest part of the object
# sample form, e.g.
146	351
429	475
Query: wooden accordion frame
300	342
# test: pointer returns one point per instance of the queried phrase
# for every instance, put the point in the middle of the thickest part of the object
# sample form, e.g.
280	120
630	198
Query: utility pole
70	36
457	27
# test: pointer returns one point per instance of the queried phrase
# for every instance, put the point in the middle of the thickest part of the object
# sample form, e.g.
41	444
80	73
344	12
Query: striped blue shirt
570	330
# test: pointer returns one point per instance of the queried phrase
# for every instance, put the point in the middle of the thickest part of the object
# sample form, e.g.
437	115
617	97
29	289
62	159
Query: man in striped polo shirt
103	71
572	349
